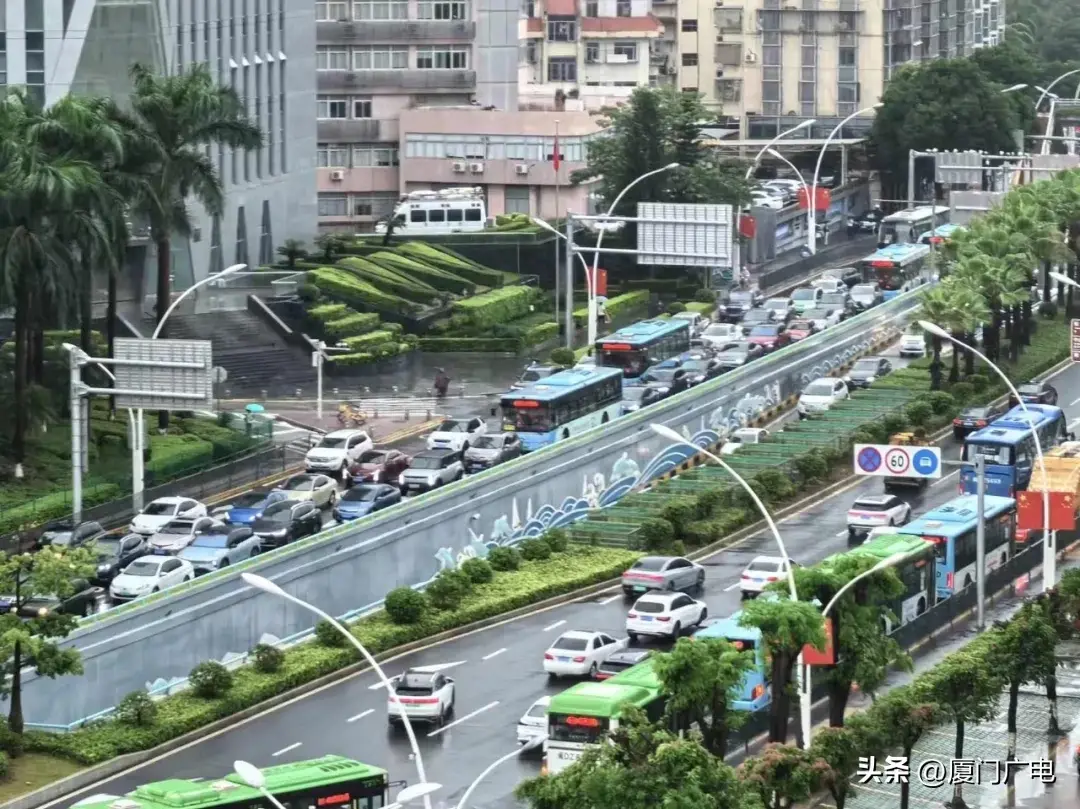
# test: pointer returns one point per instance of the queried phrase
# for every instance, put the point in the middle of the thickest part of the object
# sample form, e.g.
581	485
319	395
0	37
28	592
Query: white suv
337	451
425	696
456	434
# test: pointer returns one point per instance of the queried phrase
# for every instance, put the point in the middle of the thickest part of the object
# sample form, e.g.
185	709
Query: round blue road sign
869	460
925	462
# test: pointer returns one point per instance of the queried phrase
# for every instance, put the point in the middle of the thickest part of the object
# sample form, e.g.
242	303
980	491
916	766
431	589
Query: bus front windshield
527	420
632	362
899	232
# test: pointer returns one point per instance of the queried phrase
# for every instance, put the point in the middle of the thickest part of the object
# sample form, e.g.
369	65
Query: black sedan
65	534
701	369
1035	393
667	381
114	553
739	302
281	523
975	418
758	317
866	370
636	397
620	662
82	601
735	355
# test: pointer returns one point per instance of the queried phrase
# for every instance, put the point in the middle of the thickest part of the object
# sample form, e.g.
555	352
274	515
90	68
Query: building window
847	57
361	108
333	205
627	49
381	10
689	60
427	10
380	57
622	8
592	52
376	156
562	30
562	68
331	107
331	12
332	156
516	199
331	59
442	57
689	26
592	8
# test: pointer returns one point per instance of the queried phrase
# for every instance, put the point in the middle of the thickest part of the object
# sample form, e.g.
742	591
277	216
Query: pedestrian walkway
303	426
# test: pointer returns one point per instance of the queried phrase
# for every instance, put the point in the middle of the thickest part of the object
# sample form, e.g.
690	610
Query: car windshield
868	505
156	509
299	484
659	375
210	541
1030	390
819	389
106	547
698	366
868	366
635	393
764	331
488	442
977	412
360	494
804	294
372	457
776	303
755	315
719	330
763	565
452	427
571	644
142	568
649	563
177	527
249	500
279	512
60	537
652	607
426	463
332	442
833	297
862	289
800	325
537	711
741	297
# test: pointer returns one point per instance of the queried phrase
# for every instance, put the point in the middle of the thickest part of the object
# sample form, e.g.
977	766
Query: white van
446	210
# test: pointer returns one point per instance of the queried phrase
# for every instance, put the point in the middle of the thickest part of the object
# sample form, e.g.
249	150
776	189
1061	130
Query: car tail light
957	422
744	576
548	656
759	690
632	615
773	578
579	659
664	618
980	423
418	700
949	580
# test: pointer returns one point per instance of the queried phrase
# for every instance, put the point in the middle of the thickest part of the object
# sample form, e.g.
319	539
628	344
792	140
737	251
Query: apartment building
509	154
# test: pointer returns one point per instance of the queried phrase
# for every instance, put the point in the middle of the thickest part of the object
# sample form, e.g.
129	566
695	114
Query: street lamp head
250	774
672	166
774	153
232	269
1014	88
933	328
262	583
544	225
417	791
664	431
1063	279
877	106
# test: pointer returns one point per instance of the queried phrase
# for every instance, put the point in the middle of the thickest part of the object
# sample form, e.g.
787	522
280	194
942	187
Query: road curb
411	432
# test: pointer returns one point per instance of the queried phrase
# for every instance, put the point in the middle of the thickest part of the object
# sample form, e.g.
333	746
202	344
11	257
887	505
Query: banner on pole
1029	511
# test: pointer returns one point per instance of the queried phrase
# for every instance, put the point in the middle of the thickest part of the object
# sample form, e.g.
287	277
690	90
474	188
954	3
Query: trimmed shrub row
444	258
439	279
617	306
351	325
540	333
495	307
448	344
346	287
389	280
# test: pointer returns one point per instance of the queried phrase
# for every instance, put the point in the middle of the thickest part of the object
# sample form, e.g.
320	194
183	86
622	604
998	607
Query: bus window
993	453
453	215
472	214
437	215
418	215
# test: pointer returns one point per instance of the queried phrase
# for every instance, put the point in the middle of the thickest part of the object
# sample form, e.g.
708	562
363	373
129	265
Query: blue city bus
905	227
635	348
1009	449
940	234
755	693
896	267
562	405
951	528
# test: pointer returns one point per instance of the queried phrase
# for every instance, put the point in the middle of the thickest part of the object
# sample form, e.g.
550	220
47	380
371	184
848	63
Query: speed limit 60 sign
888	460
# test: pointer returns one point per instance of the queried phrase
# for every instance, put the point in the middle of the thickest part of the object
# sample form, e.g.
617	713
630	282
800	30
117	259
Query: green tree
31	634
965	691
902	718
177	117
841	749
644	767
955	305
942	104
699	679
292	251
786	627
656	127
783	775
1022	652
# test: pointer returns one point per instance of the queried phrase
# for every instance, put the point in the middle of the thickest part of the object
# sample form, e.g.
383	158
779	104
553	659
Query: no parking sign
888	460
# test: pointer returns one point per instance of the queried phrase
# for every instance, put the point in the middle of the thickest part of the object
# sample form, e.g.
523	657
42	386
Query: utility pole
568	315
980	542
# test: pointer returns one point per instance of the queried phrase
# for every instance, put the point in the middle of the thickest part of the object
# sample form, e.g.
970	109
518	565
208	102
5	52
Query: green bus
916	571
330	782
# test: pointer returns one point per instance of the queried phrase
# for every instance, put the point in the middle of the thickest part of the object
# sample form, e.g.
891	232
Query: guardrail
217	617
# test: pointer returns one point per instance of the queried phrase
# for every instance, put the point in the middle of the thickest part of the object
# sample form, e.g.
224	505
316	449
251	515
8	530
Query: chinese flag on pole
556	159
1062	511
826	657
1029	511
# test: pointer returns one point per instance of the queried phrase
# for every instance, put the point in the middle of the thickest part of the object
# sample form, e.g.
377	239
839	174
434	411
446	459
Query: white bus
907	227
446	210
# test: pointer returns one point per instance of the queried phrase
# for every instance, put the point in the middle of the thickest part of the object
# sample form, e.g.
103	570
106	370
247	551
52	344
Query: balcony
363	130
364	80
391	31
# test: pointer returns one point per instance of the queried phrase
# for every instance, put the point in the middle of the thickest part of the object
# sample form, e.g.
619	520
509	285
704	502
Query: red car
379	466
770	337
801	329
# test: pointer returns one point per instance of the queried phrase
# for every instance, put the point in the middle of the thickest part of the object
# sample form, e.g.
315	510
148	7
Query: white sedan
664	615
874	511
760	573
576	654
318	489
163	510
533	723
820	395
150	574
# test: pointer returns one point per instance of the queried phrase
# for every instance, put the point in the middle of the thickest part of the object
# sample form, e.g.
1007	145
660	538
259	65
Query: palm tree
957	307
176	117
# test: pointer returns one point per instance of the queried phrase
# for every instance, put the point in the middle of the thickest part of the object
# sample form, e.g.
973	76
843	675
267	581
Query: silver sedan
662	573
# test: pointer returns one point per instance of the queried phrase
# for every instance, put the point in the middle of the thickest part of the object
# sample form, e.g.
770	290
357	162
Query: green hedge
389	280
439	279
540	333
185	712
351	325
617	306
441	344
226	443
328	312
445	259
365	342
346	287
54	507
498	306
372	354
700	308
173	456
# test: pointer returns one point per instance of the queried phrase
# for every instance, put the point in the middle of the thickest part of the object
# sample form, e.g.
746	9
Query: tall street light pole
1049	558
590	290
771	143
267	586
668	433
532	744
775	155
812	224
1046	91
590	278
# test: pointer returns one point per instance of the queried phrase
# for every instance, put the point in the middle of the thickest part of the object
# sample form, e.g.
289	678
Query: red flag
1029	511
826	657
556	158
1062	511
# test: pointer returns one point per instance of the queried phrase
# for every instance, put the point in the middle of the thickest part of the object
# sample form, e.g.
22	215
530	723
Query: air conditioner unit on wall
337	176
476	168
751	58
521	168
459	168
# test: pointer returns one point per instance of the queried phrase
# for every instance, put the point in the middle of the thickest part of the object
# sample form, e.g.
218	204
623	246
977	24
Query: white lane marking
496	653
360	715
1074	402
465	718
376	686
284	750
841	533
731	587
615	597
195	779
555	625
